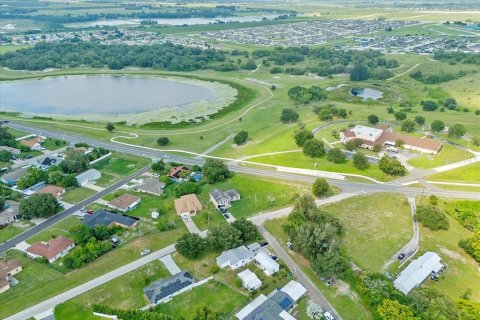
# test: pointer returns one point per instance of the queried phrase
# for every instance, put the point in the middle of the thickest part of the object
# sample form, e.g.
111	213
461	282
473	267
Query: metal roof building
417	271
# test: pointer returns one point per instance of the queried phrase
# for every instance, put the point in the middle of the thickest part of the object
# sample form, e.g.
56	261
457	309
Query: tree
392	166
289	115
55	177
353	144
314	148
240	138
159	166
320	187
429	105
110	127
432	217
377	148
247	229
224	236
163	141
191	245
215	171
6	138
2	203
372	119
185	188
81	234
301	136
400	115
450	103
335	155
5	156
359	72
393	310
437	126
408	125
476	141
325	115
205	313
75	161
420	120
329	264
457	130
38	205
360	161
69	181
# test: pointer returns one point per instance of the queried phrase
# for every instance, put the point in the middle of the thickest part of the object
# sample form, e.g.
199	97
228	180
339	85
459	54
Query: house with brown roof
188	205
51	250
383	135
34	143
176	172
54	190
8	269
125	202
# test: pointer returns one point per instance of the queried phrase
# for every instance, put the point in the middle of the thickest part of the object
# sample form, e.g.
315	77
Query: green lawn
344	301
467	174
46	282
106	180
14	229
217	296
53	144
76	195
376	226
73	311
447	155
60	229
121	164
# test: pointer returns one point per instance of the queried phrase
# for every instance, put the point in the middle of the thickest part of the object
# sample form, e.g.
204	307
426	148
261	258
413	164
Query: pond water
178	21
107	95
366	93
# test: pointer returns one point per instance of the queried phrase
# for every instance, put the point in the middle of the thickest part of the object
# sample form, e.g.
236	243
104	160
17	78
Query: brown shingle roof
51	248
52	189
124	201
175	171
31	142
188	203
7	266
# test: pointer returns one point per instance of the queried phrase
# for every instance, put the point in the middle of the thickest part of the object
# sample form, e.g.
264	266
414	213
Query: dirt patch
451	254
343	289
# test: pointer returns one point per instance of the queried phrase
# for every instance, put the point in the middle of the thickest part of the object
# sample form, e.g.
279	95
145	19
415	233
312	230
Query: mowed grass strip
467	174
76	195
376	226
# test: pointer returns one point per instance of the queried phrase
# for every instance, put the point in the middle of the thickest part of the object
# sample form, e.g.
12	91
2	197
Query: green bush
432	217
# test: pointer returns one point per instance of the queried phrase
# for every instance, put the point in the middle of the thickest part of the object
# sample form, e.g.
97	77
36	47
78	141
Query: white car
145	252
328	316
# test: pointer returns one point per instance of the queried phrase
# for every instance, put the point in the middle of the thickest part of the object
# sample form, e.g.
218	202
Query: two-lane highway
62	215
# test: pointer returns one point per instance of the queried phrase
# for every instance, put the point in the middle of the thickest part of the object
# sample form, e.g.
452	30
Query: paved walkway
170	264
67	295
191	226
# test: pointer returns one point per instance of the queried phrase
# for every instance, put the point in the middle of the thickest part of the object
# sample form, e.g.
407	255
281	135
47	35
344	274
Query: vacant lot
121	164
376	226
76	195
14	229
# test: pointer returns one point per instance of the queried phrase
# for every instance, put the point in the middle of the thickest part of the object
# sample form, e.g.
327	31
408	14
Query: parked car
263	243
328	315
290	245
145	252
28	156
273	257
226	215
90	211
401	256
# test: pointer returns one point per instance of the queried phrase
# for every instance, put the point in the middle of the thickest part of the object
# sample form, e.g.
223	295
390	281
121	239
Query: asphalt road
346	186
62	215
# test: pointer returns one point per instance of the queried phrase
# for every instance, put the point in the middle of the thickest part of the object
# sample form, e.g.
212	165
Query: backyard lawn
376	226
467	174
77	195
447	155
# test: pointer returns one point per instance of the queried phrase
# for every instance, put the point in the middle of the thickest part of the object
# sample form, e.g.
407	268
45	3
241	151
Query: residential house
383	135
88	176
235	258
34	143
49	161
266	263
249	280
109	219
51	250
125	202
151	185
54	190
12	177
417	271
9	213
175	173
224	198
165	289
8	269
34	189
275	306
13	151
188	205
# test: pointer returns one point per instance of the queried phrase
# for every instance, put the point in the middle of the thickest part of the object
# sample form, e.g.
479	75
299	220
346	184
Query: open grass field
76	195
448	154
45	281
53	144
14	229
345	301
121	164
376	226
70	310
106	180
467	174
60	229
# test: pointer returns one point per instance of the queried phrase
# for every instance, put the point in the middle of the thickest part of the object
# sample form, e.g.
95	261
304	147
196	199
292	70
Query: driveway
170	264
191	226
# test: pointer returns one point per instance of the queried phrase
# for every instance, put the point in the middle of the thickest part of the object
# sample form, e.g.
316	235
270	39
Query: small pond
366	93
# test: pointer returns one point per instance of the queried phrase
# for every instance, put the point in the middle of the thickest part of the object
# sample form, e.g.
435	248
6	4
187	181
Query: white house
224	198
417	271
267	264
235	258
52	250
250	280
88	176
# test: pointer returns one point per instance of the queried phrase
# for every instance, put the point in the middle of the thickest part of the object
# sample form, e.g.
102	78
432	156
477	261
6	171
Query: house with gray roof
151	185
235	258
108	219
9	213
12	177
224	198
167	288
88	176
